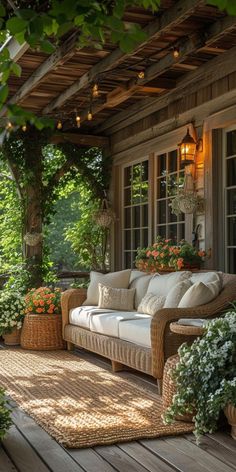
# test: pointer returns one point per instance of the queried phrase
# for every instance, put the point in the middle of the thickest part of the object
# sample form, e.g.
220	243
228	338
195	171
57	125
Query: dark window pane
136	217
231	231
161	211
161	165
128	260
231	172
137	239
231	143
171	216
144	192
144	171
181	179
161	188
144	215
127	217
127	176
231	254
144	237
161	231
231	202
172	185
173	232
127	239
173	160
127	195
181	228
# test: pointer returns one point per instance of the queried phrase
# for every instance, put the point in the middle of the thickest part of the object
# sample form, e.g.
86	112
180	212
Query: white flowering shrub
205	376
11	311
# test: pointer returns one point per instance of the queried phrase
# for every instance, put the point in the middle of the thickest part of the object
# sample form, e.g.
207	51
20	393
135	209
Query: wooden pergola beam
60	56
80	139
189	46
168	20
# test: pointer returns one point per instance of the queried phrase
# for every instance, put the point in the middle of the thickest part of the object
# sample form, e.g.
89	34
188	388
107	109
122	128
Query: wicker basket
42	332
13	338
169	389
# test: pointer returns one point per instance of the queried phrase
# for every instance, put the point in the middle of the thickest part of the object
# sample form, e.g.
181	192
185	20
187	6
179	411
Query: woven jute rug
79	403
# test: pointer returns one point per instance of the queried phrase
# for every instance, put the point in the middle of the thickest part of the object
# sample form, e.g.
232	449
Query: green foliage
11	310
5	415
205	376
88	240
228	5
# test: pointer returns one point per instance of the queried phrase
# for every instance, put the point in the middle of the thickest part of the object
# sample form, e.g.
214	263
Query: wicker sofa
164	343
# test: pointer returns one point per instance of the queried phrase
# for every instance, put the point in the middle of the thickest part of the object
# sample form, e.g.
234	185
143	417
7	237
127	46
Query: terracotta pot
13	338
230	413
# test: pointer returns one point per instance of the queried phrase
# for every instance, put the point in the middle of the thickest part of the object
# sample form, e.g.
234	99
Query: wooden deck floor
28	448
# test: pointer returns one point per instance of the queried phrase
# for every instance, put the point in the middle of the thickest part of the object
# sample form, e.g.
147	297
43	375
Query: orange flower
41	302
39	310
36	303
180	263
50	311
51	307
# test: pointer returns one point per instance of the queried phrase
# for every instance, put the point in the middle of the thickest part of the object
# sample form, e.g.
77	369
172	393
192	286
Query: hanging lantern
187	149
105	216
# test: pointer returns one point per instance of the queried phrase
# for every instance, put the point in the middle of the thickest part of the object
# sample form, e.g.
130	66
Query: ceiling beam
168	20
60	56
80	139
189	46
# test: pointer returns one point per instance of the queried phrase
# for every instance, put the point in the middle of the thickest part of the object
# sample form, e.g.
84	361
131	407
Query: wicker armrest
71	299
161	321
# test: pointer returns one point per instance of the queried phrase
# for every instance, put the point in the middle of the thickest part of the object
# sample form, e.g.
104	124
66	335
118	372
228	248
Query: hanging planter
32	239
105	216
188	203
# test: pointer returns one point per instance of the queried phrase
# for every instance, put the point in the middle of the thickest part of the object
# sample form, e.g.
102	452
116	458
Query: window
230	200
169	177
135	218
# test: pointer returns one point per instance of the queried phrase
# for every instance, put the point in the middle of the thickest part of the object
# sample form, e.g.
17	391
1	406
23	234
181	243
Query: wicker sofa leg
116	366
70	346
159	386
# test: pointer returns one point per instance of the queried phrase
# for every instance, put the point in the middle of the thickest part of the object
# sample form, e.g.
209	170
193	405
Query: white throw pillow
198	294
113	279
207	277
140	283
176	293
162	284
116	298
150	304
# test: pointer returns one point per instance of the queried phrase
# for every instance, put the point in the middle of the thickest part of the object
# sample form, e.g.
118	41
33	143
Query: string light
141	74
77	119
59	124
90	115
24	128
95	91
9	126
176	52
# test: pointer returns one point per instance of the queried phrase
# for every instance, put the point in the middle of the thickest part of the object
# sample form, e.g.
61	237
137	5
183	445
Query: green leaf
36	26
16	69
3	93
20	37
47	46
78	20
2	10
26	14
16	25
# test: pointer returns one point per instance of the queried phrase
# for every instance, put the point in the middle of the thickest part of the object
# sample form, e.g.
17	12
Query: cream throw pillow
140	283
113	279
162	284
150	304
116	298
176	293
199	294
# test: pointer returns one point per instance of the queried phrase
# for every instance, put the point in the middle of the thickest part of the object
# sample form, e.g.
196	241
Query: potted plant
5	415
11	315
205	377
42	329
165	254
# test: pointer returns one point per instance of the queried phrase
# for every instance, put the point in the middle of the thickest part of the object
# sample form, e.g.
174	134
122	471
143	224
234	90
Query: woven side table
42	332
169	388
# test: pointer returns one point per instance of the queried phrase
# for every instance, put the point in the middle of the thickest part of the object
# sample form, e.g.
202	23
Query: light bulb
90	116
95	91
59	124
24	128
77	119
176	52
9	126
141	74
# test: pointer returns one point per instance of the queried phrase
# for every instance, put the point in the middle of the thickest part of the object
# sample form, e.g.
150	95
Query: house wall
206	105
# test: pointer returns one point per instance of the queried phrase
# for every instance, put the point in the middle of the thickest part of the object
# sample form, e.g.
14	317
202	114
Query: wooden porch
28	447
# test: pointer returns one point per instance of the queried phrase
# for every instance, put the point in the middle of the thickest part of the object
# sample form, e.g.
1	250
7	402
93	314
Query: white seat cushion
140	282
162	284
113	279
108	323
81	315
137	331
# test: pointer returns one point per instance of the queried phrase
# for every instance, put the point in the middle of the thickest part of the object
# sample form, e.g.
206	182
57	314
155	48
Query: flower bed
165	255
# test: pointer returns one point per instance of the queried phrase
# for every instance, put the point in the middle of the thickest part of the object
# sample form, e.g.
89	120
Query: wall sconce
187	147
